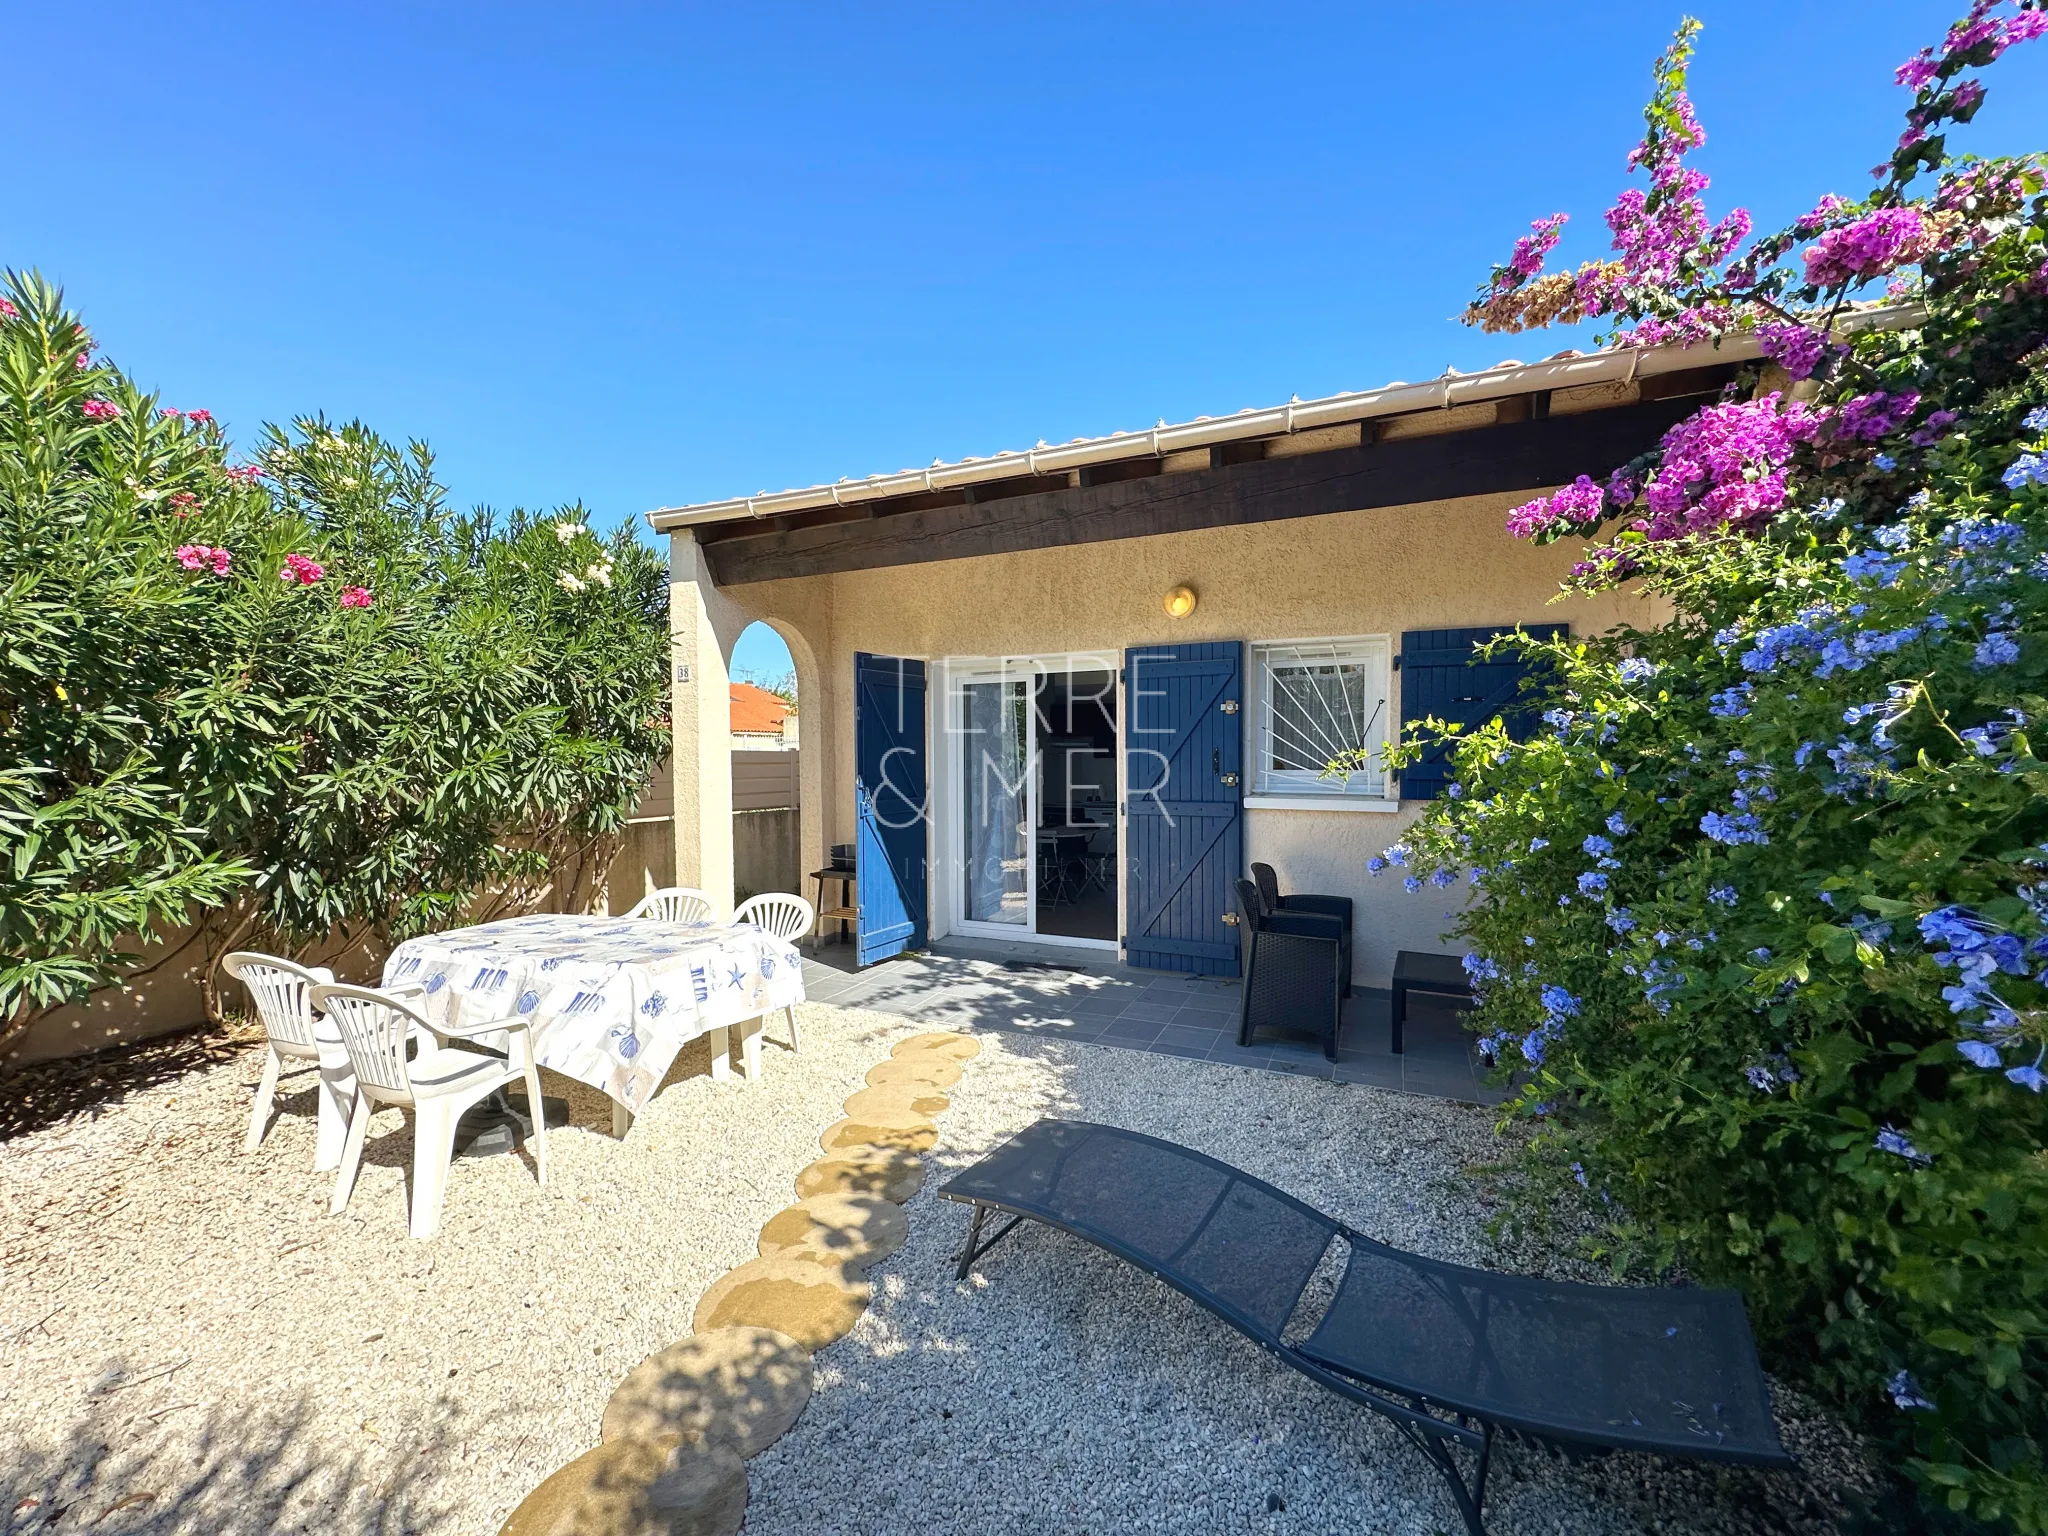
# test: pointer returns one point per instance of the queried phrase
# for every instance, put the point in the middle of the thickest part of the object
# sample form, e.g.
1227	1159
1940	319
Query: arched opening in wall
766	772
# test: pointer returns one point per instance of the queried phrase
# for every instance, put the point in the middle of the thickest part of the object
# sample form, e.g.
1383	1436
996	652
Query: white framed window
1316	702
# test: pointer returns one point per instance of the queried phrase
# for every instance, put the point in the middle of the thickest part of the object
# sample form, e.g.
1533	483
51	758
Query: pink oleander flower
1867	247
1797	349
301	571
355	597
8	311
85	359
170	414
101	410
199	415
195	557
248	474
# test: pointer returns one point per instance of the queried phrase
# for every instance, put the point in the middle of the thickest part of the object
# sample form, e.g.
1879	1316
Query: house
761	721
1068	694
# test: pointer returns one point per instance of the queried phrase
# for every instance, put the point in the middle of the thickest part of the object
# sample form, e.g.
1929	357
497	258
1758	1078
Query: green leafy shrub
1760	916
295	702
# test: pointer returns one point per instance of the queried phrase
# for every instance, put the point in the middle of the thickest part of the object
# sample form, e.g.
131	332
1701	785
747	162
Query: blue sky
638	256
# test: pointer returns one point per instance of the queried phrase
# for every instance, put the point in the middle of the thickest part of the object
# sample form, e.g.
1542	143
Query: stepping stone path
859	1229
907	1098
740	1386
814	1301
676	1430
944	1042
886	1171
920	1071
683	1486
908	1130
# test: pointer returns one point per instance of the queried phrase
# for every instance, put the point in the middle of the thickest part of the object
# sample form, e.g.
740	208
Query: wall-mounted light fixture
1180	602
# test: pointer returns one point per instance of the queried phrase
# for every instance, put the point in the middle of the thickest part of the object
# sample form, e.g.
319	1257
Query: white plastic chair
279	990
674	904
437	1085
788	918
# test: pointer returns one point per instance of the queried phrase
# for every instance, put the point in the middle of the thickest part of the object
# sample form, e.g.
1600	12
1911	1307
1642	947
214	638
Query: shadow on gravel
51	1092
252	1472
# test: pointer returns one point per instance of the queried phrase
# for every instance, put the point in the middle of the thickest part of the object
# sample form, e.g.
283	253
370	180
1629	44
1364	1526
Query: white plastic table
612	1000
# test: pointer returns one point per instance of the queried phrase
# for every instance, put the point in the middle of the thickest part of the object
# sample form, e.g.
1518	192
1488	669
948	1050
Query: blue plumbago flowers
1479	969
1765	1076
1732	703
1742	827
1997	649
1395	857
1980	1053
1538	844
2028	469
1723	895
1617	824
1978	951
1596	845
1891	1139
1443	877
1906	1395
1990	738
2036	420
1869	565
1412	884
1592	882
1579	1173
1621	920
1637	670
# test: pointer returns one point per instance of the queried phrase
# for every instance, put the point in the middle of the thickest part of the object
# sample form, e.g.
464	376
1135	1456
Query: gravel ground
197	1347
194	1345
1059	1390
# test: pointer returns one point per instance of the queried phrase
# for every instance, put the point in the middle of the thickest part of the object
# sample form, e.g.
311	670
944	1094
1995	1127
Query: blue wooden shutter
1184	804
891	806
1442	677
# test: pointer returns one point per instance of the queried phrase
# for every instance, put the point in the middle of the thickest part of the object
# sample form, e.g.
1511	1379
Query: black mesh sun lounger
1451	1355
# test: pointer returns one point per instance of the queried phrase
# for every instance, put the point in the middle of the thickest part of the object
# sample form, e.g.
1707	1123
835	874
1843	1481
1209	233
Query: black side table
846	912
1435	975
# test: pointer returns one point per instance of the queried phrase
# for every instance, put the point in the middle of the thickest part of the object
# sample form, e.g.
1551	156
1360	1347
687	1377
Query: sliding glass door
995	829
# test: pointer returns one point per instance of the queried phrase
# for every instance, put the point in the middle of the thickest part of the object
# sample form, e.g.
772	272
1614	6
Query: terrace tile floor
1072	995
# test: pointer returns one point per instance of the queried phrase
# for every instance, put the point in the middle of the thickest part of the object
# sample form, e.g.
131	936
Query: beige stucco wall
1436	565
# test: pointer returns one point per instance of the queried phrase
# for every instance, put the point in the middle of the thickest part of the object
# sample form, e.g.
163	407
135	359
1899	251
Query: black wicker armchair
1338	907
1292	971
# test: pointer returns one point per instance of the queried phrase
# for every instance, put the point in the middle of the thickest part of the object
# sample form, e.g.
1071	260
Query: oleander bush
1759	918
290	703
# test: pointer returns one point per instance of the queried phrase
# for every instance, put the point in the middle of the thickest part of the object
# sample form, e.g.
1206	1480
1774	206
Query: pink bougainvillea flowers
100	410
301	571
355	597
203	557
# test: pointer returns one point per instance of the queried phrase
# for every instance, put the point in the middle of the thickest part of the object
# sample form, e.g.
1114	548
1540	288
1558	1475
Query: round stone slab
892	1174
919	1069
911	1133
859	1229
740	1386
897	1099
810	1302
687	1486
944	1042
